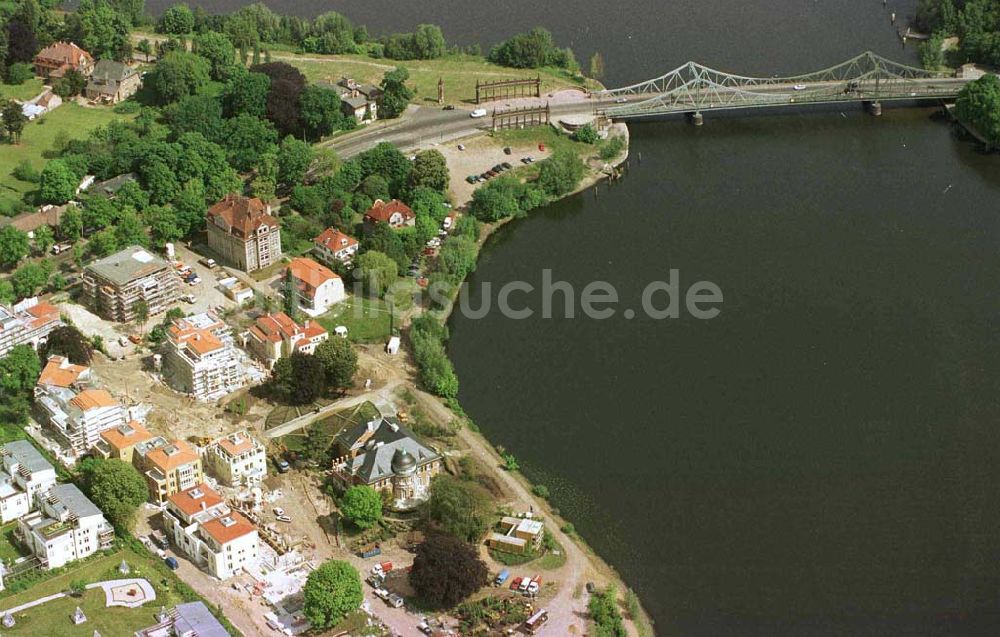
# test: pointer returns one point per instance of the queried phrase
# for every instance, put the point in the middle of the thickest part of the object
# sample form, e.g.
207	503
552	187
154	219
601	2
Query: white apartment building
66	527
316	287
211	534
78	418
237	459
27	323
24	473
333	246
273	336
200	358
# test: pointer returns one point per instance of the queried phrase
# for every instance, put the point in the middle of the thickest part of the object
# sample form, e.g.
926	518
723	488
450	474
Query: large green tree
178	19
14	119
294	159
376	271
447	570
340	361
330	593
177	75
395	93
68	341
19	371
14	246
319	111
362	506
117	488
978	104
460	508
104	30
220	53
430	170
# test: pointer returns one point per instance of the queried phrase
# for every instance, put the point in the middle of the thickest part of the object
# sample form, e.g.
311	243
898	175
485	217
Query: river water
821	458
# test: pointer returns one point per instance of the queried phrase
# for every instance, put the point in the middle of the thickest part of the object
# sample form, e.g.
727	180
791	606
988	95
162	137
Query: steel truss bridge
694	88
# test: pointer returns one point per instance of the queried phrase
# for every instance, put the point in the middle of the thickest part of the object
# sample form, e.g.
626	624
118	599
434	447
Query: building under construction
114	285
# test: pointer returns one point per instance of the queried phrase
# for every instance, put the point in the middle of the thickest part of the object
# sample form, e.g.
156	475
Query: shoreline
474	437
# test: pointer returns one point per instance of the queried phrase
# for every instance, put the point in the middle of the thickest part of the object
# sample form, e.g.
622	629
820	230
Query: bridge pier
875	108
697	119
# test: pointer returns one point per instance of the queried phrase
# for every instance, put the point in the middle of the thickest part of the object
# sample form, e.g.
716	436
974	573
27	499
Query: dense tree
98	214
389	242
31	277
437	374
294	158
396	95
19	73
160	181
430	170
71	224
130	230
340	361
14	246
14	120
132	10
248	139
246	94
446	570
362	506
308	379
604	613
68	341
978	104
22	45
195	114
320	112
287	85
117	488
529	50
560	173
19	371
426	43
458	257
586	134
70	84
145	47
331	592
385	160
498	199
44	239
177	75
220	53
376	271
104	31
177	20
458	507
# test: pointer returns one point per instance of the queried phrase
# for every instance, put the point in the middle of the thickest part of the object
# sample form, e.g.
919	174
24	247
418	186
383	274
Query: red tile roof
382	211
229	527
93	399
59	372
242	216
308	275
172	456
190	501
124	436
63	55
334	240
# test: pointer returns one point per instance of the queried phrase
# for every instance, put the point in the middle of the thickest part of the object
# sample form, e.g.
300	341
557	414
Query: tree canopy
362	506
331	592
340	361
460	508
978	104
117	488
446	570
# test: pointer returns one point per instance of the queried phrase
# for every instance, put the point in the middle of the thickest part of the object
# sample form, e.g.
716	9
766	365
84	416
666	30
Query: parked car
506	166
541	148
381	593
524	584
278	511
159	539
370	551
479	112
492	173
208	263
621	100
501	577
461	146
395	601
123	341
172	563
449	107
516	583
507	150
189	298
283	466
472	179
591	587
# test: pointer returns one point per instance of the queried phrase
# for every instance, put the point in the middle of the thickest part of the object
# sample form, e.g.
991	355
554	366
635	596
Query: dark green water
822	458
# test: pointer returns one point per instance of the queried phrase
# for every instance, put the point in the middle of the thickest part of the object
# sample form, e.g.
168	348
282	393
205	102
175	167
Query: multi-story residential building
169	467
242	231
59	372
384	455
112	82
274	336
27	323
24	473
78	417
237	459
185	620
316	287
200	357
66	527
210	533
114	285
333	246
59	57
118	443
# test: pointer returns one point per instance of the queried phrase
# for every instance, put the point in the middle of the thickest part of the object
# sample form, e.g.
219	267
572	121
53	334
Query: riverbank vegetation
978	106
976	24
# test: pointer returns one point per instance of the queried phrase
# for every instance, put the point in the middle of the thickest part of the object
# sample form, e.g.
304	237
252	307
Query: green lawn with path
367	320
39	137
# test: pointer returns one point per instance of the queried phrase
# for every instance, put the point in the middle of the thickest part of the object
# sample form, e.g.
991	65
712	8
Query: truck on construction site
370	551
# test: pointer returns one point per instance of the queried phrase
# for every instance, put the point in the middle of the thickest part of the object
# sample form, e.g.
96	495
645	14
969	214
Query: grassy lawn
367	320
319	434
39	136
283	413
53	618
8	551
459	72
21	92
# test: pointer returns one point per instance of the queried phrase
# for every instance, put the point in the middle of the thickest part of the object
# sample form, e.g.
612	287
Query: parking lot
480	155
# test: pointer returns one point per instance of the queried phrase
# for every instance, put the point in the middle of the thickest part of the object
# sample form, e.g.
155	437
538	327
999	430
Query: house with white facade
274	336
77	415
210	533
24	473
333	246
236	460
67	526
200	357
27	323
316	287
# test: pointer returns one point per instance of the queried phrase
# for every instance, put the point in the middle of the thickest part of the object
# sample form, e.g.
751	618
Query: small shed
341	331
392	347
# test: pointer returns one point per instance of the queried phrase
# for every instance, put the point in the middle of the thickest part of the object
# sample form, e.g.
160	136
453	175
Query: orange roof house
333	245
197	498
59	372
119	442
58	58
395	213
242	216
228	528
94	399
243	232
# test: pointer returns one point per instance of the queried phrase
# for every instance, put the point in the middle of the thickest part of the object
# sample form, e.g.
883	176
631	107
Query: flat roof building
114	285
